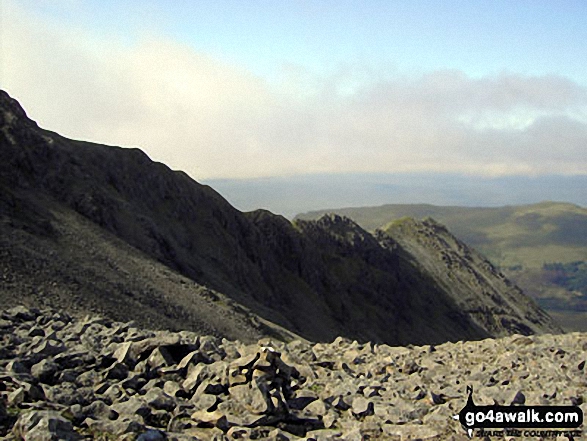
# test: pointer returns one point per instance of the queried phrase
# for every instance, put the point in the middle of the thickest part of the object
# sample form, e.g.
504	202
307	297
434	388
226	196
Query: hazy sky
250	88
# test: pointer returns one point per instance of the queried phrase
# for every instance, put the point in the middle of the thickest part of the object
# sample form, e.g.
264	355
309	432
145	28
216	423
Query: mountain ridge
542	247
482	288
314	279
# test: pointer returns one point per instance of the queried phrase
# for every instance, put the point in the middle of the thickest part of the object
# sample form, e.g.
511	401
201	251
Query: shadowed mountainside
541	247
97	228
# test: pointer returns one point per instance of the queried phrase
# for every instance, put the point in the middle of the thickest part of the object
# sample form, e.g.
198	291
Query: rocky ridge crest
480	290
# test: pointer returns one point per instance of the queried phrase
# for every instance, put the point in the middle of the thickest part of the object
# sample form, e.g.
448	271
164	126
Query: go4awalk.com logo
523	421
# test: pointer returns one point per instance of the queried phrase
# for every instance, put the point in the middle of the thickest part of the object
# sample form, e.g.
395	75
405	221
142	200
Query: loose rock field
72	379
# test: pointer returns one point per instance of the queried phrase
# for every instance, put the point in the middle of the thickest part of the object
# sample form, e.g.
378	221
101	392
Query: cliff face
106	229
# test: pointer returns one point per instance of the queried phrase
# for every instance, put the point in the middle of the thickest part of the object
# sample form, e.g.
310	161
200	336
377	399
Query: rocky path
72	379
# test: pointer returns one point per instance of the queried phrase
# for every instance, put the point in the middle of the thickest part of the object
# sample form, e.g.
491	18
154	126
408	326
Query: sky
232	89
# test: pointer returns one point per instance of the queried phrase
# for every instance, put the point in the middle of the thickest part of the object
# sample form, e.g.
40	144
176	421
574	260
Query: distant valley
542	247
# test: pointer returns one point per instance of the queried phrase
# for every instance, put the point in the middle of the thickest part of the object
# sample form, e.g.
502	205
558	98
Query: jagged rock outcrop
93	228
93	378
479	289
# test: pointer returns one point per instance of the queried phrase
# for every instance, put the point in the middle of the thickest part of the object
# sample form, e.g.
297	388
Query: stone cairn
63	378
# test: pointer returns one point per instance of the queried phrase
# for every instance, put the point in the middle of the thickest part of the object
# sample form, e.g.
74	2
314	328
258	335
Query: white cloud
213	119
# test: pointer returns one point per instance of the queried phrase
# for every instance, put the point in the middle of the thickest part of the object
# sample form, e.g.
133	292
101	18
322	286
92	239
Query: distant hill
93	228
290	195
542	247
